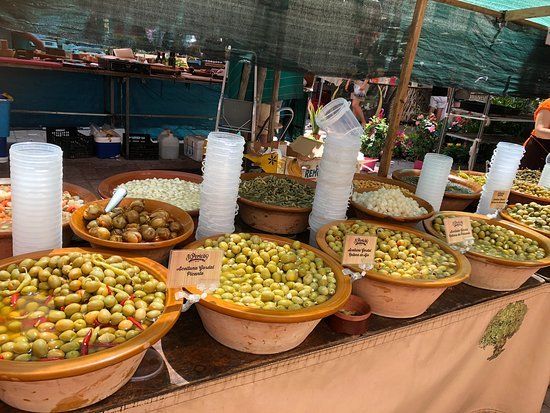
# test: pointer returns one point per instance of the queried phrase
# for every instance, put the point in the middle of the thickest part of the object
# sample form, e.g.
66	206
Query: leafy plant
422	139
313	118
458	151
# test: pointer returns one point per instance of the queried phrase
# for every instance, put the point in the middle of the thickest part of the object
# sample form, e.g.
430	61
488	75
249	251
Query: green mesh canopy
344	38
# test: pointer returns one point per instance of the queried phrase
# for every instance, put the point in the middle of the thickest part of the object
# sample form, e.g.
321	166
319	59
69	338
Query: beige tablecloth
436	366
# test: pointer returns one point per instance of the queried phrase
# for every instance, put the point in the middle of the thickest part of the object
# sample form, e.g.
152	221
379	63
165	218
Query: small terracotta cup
353	325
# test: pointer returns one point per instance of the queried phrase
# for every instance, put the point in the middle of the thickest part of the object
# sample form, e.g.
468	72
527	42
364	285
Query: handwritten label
359	249
458	229
499	199
195	268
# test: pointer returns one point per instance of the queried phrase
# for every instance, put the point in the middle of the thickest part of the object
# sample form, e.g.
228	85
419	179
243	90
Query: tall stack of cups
220	184
338	164
502	172
36	171
433	178
545	176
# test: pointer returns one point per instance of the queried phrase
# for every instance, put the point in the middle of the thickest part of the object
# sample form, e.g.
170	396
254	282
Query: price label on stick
195	268
499	199
458	229
359	249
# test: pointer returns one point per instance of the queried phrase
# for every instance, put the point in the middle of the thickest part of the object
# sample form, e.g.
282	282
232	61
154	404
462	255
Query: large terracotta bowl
499	274
451	201
363	212
516	197
272	218
469	172
60	386
506	215
6	239
375	178
107	186
395	297
157	251
258	331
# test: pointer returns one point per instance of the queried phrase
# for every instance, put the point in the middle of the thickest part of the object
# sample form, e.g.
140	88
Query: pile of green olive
530	188
62	307
533	215
131	224
496	241
399	254
528	175
260	273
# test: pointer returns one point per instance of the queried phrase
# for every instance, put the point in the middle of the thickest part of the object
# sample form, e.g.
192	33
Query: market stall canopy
342	38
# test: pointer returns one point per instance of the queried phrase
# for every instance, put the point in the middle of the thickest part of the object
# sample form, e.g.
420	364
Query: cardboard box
194	147
305	148
297	167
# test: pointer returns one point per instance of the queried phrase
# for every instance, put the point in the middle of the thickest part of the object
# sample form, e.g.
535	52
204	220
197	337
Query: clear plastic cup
337	117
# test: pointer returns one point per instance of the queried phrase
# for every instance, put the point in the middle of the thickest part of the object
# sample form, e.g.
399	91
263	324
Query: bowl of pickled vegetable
532	215
459	193
503	254
72	198
411	268
75	324
275	203
150	228
273	292
524	191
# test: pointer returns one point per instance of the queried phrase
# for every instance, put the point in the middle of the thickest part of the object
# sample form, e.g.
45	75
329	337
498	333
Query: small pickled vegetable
452	187
259	273
132	224
82	303
497	241
276	190
533	215
399	254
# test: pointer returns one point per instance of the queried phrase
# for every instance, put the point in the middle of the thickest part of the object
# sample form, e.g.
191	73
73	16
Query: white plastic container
433	178
169	145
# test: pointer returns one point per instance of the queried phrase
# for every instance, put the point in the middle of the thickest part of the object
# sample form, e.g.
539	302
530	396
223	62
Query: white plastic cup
336	117
433	178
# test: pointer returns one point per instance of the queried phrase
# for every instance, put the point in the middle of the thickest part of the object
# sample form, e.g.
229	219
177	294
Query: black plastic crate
73	143
142	148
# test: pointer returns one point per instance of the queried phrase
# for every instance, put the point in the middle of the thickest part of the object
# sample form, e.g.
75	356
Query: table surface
198	358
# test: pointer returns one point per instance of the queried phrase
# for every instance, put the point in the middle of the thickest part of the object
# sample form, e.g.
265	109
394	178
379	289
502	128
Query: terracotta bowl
271	218
60	386
107	186
6	239
363	212
394	297
506	215
499	274
351	324
521	198
260	331
376	178
157	251
451	201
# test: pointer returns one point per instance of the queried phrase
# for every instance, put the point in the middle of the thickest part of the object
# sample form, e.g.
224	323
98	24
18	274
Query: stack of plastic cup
220	185
433	178
502	172
338	165
545	176
36	171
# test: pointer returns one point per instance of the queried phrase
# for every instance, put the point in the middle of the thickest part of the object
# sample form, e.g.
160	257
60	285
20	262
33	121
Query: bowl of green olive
459	193
503	254
275	203
146	227
75	324
273	292
532	215
411	268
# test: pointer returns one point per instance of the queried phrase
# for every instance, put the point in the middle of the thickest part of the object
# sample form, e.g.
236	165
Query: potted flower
424	138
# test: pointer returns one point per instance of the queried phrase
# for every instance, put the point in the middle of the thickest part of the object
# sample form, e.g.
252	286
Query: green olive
40	348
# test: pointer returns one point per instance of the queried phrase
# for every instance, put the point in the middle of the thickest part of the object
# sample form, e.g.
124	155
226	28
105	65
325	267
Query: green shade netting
502	5
327	37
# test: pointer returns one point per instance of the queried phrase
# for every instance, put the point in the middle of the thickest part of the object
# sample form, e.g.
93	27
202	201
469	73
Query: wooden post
403	86
245	76
274	99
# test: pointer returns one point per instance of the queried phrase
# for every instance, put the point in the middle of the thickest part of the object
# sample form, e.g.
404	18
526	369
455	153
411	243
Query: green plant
374	136
458	151
313	117
422	139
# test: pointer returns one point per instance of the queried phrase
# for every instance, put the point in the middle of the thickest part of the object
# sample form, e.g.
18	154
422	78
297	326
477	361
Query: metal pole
220	101
320	92
112	101
274	99
403	86
254	102
477	142
451	96
127	117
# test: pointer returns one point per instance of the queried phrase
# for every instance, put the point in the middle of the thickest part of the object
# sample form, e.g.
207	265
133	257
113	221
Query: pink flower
420	117
381	113
417	123
431	129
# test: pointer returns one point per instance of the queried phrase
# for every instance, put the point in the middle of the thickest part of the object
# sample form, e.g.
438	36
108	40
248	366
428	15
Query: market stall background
456	48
